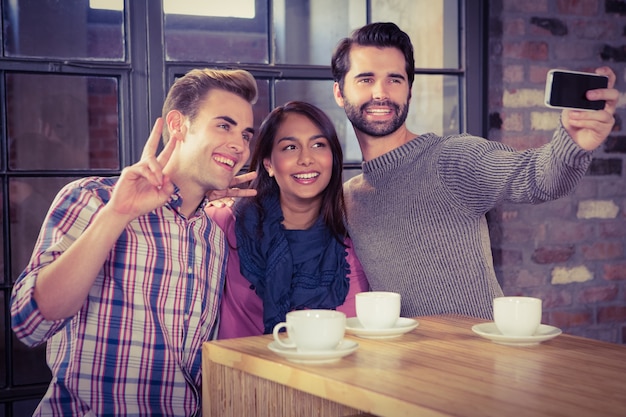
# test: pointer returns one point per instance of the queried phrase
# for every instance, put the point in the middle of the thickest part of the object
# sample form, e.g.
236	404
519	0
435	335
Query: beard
357	117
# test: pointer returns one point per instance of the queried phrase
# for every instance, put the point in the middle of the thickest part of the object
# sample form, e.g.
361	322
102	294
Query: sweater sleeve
481	174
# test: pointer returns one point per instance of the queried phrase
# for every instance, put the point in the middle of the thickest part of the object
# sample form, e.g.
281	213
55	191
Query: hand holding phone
567	89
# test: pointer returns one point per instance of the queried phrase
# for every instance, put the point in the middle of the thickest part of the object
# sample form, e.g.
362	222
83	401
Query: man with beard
416	214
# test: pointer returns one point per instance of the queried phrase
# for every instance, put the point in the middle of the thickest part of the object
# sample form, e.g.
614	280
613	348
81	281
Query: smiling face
214	146
301	160
376	91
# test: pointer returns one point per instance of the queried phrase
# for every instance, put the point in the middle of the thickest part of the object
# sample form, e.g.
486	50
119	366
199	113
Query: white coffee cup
517	316
312	330
378	309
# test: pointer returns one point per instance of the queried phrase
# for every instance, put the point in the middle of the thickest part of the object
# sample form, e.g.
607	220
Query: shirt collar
176	201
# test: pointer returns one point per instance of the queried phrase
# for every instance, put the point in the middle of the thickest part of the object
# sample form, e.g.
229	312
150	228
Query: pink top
241	309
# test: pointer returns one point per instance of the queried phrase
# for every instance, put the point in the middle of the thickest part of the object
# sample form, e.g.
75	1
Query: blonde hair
187	93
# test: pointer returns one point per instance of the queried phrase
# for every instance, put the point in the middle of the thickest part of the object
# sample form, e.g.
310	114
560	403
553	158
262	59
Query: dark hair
332	207
188	92
381	35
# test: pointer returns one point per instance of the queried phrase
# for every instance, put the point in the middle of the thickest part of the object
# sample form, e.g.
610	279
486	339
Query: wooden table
439	369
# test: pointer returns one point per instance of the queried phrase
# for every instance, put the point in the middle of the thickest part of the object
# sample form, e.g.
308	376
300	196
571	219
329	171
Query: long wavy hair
333	206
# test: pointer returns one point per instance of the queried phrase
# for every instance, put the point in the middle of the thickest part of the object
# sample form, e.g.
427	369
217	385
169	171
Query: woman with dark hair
289	247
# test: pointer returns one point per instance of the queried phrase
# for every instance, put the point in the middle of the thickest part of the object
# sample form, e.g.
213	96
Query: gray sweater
417	214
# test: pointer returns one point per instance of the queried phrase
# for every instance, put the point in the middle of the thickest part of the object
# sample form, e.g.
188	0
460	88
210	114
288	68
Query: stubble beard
357	116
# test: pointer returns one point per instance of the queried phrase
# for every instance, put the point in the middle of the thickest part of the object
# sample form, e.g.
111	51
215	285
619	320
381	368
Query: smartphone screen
566	89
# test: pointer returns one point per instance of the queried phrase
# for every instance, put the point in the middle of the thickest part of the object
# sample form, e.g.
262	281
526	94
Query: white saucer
491	332
345	348
403	325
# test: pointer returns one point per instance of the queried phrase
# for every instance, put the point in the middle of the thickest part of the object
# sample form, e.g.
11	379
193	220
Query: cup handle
279	339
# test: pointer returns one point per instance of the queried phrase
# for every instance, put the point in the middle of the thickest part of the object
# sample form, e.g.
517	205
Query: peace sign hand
143	187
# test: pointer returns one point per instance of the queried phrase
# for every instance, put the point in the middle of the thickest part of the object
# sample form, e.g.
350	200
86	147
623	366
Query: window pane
25	407
3	347
29	200
73	29
306	32
2	278
29	364
230	31
433	26
260	109
62	122
434	105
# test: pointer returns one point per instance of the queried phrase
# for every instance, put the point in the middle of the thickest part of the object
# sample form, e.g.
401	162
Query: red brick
538	73
506	215
613	229
534	6
614	272
536	51
570	318
513	74
612	314
563	51
528	279
598	294
549	255
603	251
604	29
569	232
513	122
517	234
514	27
555	298
578	7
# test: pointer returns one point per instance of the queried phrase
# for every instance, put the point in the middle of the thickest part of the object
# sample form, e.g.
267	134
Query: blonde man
125	278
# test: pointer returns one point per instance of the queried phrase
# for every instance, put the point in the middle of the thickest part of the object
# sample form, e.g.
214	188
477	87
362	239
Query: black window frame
144	78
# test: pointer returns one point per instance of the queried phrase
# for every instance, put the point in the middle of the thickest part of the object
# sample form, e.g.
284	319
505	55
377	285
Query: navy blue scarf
289	269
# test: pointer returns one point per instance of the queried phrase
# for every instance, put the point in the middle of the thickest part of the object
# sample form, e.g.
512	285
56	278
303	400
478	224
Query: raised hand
142	187
589	129
221	198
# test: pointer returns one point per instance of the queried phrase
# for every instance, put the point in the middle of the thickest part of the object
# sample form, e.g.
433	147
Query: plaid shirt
134	348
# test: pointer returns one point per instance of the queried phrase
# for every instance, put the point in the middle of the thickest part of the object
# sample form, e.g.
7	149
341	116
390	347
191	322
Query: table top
442	368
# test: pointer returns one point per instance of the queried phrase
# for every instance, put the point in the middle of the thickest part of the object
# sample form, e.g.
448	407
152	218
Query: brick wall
570	252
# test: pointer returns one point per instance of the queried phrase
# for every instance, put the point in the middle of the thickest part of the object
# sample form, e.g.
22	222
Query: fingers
589	129
243	178
243	192
152	144
222	202
609	94
609	73
590	117
166	153
150	170
155	164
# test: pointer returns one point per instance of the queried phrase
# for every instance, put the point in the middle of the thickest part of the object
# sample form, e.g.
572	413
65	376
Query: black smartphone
566	89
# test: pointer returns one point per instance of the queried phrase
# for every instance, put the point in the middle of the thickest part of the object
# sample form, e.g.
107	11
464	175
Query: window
82	81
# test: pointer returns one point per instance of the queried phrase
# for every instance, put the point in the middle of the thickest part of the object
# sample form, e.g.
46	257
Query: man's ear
175	122
337	94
